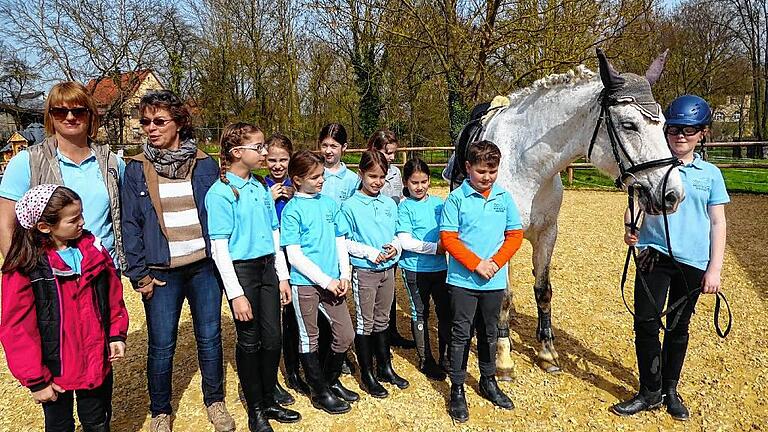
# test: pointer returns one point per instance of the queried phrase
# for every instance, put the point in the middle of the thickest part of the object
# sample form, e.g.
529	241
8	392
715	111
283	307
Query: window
736	116
719	116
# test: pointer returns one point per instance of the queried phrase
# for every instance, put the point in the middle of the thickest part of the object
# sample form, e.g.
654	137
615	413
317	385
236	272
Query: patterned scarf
172	164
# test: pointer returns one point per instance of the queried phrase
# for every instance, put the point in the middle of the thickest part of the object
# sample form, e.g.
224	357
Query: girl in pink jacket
63	318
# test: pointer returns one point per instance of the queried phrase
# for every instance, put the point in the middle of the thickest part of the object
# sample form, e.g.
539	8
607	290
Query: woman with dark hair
169	255
71	157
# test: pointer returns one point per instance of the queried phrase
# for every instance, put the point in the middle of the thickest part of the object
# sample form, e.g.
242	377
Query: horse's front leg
504	363
542	289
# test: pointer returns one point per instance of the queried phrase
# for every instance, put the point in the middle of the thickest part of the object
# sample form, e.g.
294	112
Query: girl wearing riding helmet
697	239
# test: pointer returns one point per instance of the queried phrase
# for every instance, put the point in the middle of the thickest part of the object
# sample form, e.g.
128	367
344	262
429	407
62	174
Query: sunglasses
685	130
159	122
61	113
257	147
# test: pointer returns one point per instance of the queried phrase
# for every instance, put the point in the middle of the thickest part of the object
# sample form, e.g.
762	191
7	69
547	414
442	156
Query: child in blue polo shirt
320	278
340	182
481	231
371	219
245	244
423	263
697	239
279	150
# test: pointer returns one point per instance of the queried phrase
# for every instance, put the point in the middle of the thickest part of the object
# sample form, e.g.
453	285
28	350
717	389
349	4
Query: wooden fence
405	152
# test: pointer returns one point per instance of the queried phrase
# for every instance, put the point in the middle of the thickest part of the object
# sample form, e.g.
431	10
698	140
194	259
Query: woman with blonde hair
69	156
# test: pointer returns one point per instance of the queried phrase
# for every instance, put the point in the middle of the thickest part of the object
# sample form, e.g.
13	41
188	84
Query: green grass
736	180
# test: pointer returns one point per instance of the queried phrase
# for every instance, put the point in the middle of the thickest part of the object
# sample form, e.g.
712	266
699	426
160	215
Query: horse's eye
629	126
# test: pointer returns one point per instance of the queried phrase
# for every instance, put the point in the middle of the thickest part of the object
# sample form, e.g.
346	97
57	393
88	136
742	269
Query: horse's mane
577	75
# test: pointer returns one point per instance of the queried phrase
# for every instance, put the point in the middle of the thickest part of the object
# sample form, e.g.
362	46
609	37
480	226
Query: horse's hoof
505	375
550	367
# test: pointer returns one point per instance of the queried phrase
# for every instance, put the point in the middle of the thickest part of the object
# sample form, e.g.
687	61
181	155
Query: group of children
290	248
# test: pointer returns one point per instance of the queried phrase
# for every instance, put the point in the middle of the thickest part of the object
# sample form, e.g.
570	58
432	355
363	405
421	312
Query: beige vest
44	166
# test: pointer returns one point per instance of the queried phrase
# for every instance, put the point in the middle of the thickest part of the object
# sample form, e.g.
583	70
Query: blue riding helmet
688	110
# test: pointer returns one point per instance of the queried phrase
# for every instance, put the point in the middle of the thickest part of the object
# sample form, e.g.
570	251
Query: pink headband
31	206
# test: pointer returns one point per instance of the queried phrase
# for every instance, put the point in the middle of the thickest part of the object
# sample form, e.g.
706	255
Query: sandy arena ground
724	381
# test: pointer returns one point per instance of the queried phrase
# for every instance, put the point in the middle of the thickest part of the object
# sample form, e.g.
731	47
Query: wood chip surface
724	383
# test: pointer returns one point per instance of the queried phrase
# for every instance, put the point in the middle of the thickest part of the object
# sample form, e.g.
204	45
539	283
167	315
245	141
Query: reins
625	172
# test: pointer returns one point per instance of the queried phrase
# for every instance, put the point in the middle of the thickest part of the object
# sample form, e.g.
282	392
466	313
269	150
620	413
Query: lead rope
632	253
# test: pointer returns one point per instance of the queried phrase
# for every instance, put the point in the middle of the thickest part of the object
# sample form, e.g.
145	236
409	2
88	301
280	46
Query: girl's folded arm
412	245
305	266
361	250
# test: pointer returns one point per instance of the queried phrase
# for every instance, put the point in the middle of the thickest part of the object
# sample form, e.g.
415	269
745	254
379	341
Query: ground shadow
525	327
747	237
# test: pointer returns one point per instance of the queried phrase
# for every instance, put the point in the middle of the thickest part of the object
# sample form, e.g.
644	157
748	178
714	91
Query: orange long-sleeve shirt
513	239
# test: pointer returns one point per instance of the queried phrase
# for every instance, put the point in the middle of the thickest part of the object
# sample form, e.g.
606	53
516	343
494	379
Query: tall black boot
674	402
101	427
396	339
365	360
292	376
457	408
321	397
332	371
384	369
644	400
282	396
427	364
490	390
270	361
248	371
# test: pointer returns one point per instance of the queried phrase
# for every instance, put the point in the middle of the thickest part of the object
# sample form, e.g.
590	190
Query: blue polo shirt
280	202
84	178
247	222
481	224
340	185
371	221
312	223
421	218
689	226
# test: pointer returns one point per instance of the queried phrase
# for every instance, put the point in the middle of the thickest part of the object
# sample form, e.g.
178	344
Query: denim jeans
199	284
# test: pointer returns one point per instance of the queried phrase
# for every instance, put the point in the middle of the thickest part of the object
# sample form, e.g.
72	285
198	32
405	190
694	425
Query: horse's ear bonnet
629	87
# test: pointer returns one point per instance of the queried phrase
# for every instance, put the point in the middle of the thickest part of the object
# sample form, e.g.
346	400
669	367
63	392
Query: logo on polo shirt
701	184
438	211
499	207
329	217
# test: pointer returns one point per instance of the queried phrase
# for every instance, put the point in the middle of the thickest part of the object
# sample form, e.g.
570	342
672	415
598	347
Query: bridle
618	149
617	146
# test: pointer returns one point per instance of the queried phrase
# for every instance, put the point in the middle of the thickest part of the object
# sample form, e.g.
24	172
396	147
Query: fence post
570	176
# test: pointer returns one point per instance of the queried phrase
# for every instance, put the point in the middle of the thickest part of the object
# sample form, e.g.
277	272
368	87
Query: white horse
554	122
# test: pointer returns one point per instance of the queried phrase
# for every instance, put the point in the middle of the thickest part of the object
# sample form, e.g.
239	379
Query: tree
16	77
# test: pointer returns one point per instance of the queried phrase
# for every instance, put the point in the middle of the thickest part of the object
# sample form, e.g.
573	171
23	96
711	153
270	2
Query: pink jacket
73	351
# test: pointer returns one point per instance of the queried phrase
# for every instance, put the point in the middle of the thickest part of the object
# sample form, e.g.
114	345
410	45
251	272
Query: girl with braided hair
245	244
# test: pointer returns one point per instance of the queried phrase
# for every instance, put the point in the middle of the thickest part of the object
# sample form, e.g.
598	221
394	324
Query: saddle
455	172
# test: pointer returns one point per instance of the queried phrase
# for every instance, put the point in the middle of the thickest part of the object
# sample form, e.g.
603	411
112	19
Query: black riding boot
292	376
458	406
644	400
490	390
396	339
248	371
368	379
384	369
332	371
427	364
674	402
101	427
321	397
282	396
270	362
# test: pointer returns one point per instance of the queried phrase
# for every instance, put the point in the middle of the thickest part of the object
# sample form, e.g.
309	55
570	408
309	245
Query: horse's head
630	143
